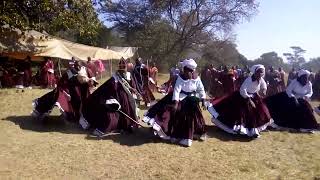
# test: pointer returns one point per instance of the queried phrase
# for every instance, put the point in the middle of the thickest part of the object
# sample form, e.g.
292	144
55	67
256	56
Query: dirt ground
56	150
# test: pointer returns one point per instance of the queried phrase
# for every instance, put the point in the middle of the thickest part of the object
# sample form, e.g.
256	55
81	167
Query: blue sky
280	24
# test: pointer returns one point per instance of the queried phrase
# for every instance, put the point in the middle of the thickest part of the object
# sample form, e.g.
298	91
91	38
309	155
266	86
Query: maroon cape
98	116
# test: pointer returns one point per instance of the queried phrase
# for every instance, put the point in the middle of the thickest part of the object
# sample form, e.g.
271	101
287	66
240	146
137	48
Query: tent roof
127	52
19	44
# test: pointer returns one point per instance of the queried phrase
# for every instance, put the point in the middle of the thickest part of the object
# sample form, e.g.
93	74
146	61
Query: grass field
55	150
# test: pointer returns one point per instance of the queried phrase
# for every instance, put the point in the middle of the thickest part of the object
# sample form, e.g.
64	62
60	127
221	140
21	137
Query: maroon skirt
147	95
287	113
98	116
236	115
186	122
68	98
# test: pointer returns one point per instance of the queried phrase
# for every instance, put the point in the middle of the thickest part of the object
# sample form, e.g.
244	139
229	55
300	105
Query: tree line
164	30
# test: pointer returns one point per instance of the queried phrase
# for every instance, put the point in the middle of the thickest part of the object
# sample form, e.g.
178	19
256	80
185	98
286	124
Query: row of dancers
177	117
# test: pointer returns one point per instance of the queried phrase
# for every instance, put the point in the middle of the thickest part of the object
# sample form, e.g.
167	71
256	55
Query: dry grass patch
55	150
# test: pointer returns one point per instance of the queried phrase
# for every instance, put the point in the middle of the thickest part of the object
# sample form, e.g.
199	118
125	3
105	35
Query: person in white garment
291	109
178	116
243	112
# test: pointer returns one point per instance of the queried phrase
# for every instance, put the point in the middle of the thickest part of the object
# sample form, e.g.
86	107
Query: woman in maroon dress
141	78
47	74
68	96
98	111
291	109
243	112
178	116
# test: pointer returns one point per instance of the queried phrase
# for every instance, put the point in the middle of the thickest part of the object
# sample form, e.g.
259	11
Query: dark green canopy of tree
296	58
313	64
271	59
166	29
75	20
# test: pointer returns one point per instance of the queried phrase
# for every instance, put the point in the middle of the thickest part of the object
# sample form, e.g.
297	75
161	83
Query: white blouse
190	85
249	87
295	89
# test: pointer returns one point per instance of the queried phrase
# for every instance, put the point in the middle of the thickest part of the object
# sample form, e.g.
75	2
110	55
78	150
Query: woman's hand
295	100
252	103
175	106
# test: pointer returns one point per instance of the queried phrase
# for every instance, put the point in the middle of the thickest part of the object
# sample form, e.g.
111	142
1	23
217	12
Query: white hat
189	63
256	67
303	72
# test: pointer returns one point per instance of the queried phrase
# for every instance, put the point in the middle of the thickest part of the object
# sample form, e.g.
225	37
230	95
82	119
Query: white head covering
189	63
180	63
303	72
256	67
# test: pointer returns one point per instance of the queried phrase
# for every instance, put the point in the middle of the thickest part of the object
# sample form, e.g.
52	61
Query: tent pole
110	67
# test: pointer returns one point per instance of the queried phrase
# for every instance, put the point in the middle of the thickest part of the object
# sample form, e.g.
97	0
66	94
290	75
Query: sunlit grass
55	150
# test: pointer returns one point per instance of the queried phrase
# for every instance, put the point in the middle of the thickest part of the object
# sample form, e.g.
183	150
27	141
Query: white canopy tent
126	52
18	44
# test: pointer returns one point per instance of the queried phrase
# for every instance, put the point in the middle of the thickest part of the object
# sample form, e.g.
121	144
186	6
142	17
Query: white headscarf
303	72
189	63
180	64
256	67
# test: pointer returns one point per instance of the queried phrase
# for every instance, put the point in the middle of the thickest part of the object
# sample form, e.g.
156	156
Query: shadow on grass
143	107
139	137
215	132
50	124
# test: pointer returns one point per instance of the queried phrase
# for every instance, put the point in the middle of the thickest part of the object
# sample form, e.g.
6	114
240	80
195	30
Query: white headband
189	63
303	72
256	67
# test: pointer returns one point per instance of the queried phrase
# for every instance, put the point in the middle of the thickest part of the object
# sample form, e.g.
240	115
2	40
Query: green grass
55	150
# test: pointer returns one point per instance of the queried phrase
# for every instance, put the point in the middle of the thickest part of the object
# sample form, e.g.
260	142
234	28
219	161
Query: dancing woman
243	112
290	109
178	116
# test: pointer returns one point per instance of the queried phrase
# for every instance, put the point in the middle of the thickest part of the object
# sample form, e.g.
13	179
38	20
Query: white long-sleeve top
249	87
295	89
190	85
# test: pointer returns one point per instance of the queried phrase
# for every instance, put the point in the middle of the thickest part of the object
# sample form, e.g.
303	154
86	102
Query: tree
271	59
222	53
191	17
296	58
71	19
165	29
313	64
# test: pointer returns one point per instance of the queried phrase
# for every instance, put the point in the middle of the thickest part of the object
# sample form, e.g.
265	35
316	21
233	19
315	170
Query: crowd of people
241	101
20	74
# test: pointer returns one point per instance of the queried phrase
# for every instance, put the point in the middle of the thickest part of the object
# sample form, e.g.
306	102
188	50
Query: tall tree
184	23
222	53
71	19
271	59
296	58
313	64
